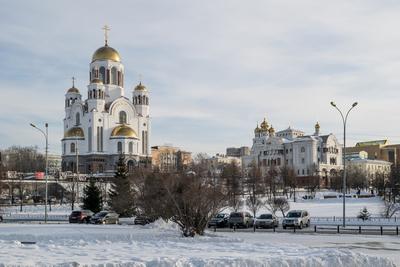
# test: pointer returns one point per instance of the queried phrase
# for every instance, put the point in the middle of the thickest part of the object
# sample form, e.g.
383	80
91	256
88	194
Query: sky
214	68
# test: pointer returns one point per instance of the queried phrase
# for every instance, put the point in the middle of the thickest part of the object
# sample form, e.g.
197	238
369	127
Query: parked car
143	220
105	217
220	220
266	221
241	219
80	216
296	218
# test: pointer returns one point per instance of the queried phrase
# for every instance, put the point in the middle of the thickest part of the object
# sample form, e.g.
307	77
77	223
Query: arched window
72	148
64	148
122	117
114	75
108	76
130	147
135	100
77	118
103	74
119	147
140	100
119	78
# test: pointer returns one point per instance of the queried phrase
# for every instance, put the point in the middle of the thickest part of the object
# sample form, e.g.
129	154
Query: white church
109	122
307	155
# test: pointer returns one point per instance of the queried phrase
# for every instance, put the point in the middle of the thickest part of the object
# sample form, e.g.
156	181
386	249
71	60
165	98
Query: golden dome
271	130
106	53
264	125
73	90
140	87
317	125
123	131
97	80
257	129
74	132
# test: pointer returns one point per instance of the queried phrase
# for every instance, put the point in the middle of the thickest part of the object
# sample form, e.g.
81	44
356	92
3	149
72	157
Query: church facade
307	155
108	122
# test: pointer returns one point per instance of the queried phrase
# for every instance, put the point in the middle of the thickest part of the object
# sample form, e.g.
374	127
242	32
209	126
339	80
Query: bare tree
278	204
271	181
232	176
390	209
255	188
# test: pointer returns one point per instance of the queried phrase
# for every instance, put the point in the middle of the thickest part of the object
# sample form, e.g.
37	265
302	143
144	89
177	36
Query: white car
266	221
296	218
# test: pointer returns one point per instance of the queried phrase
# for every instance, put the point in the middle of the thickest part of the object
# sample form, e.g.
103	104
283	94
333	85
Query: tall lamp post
344	119
46	136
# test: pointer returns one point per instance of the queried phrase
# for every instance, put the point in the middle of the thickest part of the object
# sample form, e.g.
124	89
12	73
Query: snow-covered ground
161	244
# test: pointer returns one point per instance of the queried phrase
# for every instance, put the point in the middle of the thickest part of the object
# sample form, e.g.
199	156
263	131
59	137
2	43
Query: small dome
73	89
317	126
106	53
97	80
271	130
74	132
257	129
123	131
140	87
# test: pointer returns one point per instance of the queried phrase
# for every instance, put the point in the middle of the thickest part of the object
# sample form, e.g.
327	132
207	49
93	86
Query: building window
114	76
302	160
119	148
303	171
64	148
122	117
103	74
302	149
78	118
90	139
72	148
130	147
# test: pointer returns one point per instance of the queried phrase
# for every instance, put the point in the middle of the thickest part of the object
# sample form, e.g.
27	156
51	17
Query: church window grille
103	74
119	147
122	117
72	147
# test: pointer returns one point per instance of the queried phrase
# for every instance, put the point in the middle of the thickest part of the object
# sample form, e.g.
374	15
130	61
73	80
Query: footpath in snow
161	244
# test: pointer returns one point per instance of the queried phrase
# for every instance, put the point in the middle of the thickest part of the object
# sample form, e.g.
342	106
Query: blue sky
214	68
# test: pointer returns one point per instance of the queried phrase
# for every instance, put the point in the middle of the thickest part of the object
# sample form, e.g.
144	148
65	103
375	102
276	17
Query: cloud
214	68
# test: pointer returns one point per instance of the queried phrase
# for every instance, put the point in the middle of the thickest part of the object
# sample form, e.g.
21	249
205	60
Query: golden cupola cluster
263	128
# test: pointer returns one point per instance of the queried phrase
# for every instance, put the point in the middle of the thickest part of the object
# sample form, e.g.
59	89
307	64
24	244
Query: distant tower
141	100
317	129
73	95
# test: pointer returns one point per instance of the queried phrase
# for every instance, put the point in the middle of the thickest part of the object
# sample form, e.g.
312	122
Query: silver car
241	219
266	221
296	218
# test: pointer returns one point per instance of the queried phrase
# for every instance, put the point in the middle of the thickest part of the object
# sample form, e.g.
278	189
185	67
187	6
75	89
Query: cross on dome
106	29
73	81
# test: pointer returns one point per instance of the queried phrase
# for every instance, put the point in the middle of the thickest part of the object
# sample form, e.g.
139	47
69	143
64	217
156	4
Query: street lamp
46	136
344	119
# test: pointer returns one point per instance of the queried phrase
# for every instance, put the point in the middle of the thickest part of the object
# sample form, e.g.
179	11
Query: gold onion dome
74	132
97	80
271	130
123	131
73	89
317	125
106	53
140	87
257	129
264	125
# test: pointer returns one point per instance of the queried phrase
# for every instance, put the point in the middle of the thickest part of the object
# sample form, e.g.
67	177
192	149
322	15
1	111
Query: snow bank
160	244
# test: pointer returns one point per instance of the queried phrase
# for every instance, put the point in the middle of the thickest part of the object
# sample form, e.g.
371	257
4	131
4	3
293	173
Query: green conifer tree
122	195
92	199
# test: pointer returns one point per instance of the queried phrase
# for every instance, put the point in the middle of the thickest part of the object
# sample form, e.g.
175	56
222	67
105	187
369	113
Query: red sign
39	175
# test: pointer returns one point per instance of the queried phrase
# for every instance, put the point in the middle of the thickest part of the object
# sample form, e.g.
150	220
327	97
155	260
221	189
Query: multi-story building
307	155
379	150
169	158
108	123
369	167
237	151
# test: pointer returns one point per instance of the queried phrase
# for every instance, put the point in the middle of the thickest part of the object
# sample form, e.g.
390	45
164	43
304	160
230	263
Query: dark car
143	220
105	217
80	216
221	220
266	221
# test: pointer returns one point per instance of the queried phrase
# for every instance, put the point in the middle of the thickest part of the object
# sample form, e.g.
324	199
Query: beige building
378	150
169	158
370	167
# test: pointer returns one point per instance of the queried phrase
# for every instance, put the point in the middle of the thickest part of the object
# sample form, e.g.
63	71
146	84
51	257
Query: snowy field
161	244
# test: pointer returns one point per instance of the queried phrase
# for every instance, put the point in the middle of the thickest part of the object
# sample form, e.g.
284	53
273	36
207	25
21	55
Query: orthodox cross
73	81
106	29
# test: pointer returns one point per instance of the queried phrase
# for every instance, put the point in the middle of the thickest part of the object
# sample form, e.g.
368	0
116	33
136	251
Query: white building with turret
307	155
109	122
